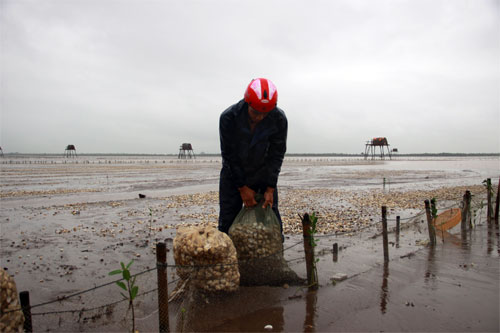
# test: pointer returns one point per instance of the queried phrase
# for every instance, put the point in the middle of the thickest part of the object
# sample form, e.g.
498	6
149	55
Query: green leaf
118	271
121	285
134	291
130	263
123	265
126	274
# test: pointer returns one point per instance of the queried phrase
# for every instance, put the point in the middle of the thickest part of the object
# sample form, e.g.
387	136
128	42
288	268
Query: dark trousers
230	202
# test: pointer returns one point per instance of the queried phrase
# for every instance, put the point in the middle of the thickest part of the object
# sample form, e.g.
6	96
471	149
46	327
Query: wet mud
65	224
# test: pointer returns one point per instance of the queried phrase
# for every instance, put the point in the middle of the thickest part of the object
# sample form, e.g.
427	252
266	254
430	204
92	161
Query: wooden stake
430	224
463	224
161	260
489	213
24	297
497	202
335	252
466	218
398	227
434	210
384	234
469	214
312	279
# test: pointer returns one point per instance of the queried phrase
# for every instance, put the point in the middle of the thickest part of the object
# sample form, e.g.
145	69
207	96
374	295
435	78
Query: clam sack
10	319
207	257
256	234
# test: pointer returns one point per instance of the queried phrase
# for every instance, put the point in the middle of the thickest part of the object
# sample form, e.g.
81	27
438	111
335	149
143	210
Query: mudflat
67	222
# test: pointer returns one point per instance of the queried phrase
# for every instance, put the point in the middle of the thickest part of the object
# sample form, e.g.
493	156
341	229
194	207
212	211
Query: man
253	143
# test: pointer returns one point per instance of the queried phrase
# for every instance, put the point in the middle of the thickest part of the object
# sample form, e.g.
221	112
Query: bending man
253	143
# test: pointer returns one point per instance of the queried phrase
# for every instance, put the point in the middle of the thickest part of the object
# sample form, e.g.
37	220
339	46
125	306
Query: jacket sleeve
276	152
227	128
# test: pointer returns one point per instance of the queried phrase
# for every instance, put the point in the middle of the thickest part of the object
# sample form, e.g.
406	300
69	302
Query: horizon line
289	154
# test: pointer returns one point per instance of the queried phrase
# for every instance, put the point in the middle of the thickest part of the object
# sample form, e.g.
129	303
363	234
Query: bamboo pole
161	260
430	225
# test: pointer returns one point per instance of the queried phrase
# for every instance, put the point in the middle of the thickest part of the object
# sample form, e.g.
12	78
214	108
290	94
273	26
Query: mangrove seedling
129	287
434	208
183	313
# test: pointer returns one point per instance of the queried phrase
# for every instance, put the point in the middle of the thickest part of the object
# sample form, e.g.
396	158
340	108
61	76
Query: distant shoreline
288	154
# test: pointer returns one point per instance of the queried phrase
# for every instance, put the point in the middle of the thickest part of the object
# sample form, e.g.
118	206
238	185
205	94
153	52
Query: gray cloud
145	76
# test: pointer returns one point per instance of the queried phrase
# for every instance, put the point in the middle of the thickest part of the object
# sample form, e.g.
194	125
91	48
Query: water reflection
430	273
234	312
249	322
465	239
453	239
384	290
311	300
498	237
490	239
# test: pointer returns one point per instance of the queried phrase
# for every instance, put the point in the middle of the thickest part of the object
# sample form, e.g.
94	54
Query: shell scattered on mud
337	210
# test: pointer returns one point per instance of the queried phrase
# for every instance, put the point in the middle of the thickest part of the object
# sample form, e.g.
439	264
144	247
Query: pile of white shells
256	240
11	321
207	257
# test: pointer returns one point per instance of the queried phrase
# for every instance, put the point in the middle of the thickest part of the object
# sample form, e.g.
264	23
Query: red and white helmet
261	95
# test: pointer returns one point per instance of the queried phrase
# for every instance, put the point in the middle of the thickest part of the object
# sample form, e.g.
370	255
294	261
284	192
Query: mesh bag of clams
10	320
206	257
256	234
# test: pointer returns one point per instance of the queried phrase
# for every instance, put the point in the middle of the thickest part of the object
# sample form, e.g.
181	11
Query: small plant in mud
314	222
129	287
183	313
434	208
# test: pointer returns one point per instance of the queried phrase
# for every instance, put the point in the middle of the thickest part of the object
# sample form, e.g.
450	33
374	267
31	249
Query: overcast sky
143	76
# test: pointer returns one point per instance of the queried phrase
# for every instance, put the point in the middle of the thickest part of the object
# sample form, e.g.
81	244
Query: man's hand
248	196
268	197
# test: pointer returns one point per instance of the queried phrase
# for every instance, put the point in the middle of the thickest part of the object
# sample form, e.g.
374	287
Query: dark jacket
252	159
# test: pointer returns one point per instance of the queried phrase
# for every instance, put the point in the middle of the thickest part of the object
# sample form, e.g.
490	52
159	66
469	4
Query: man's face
256	116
